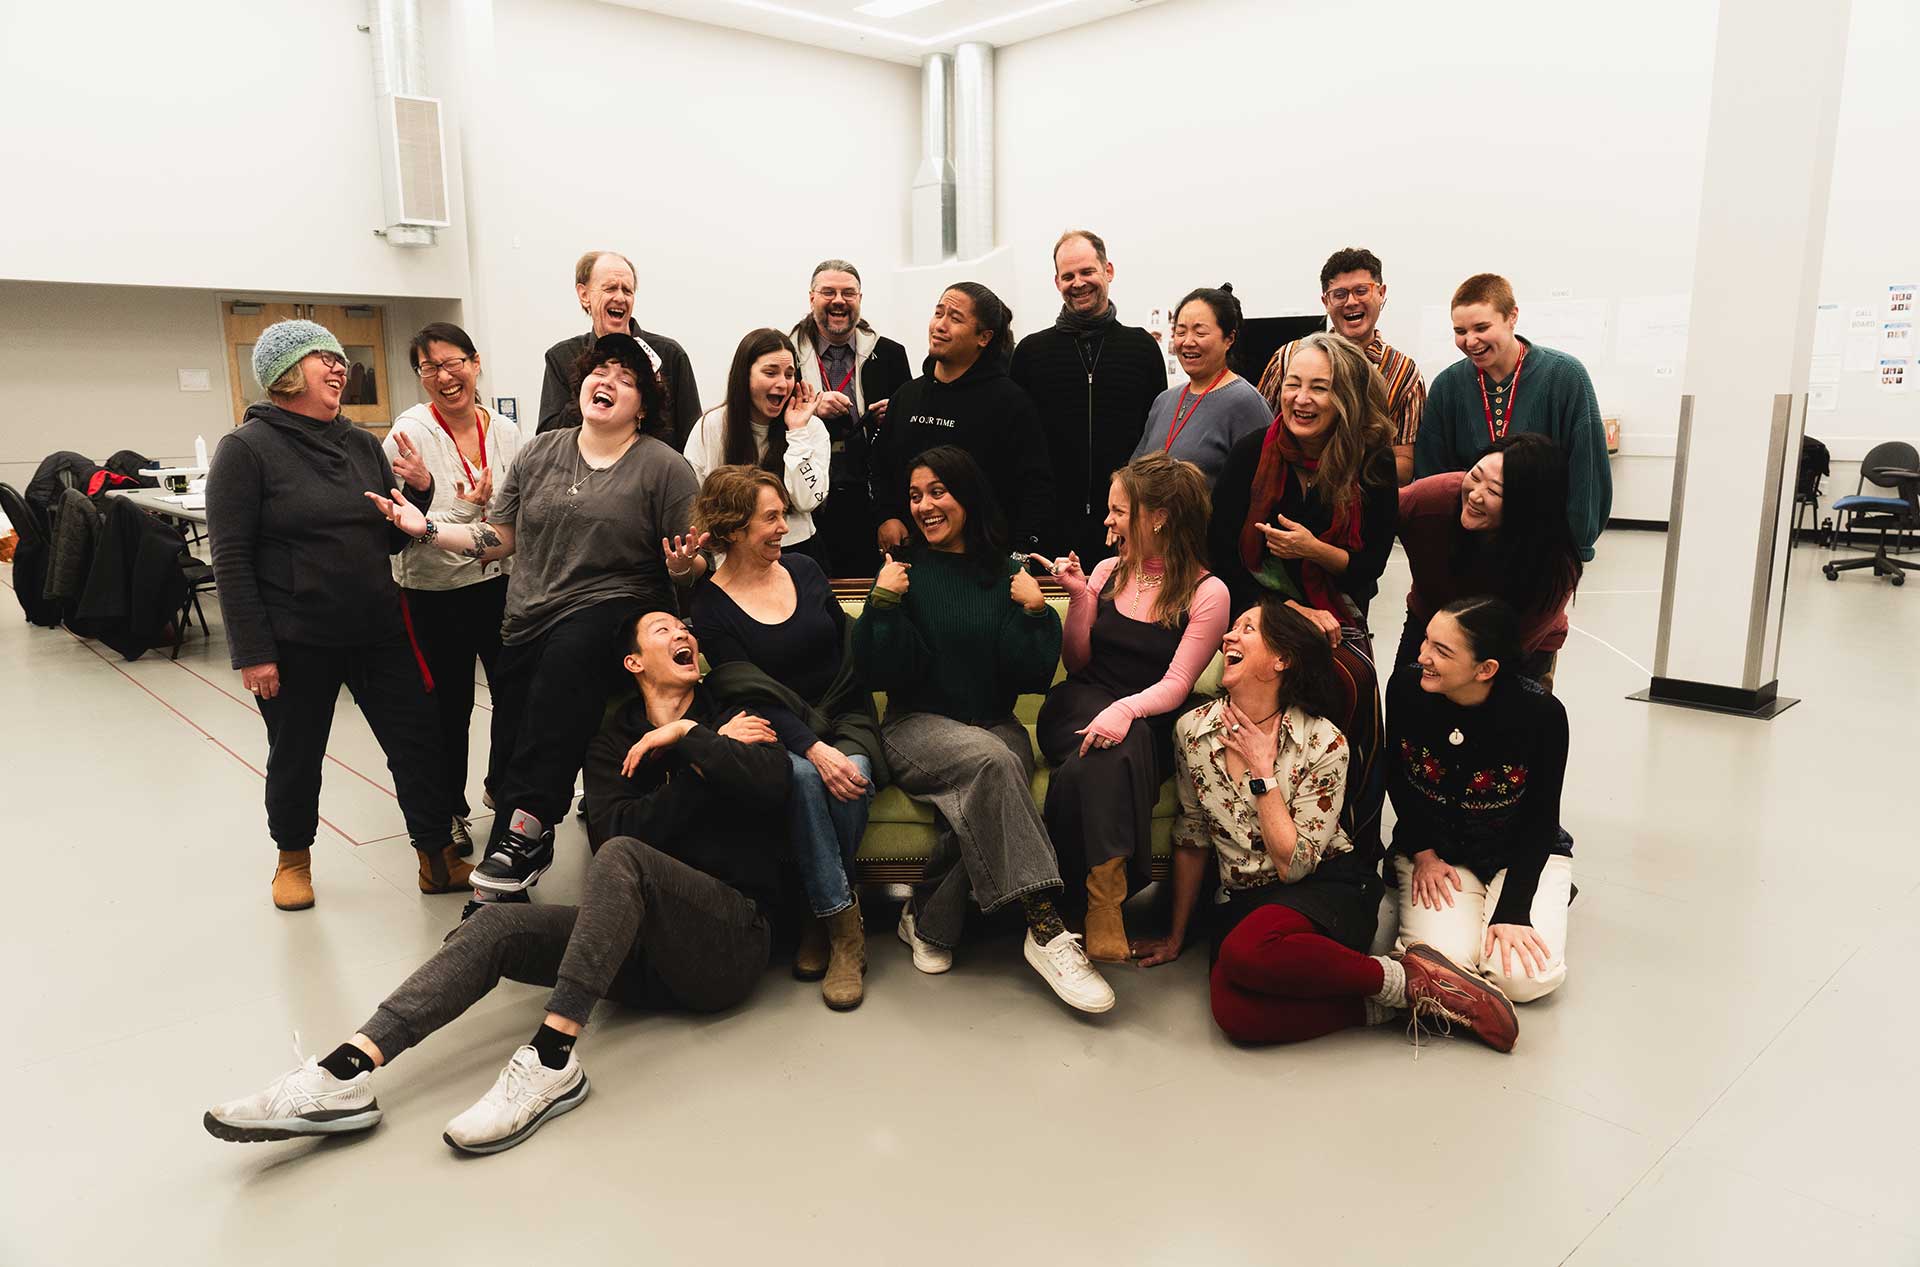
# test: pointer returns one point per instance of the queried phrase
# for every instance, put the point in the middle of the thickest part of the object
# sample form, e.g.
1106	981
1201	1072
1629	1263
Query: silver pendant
1456	738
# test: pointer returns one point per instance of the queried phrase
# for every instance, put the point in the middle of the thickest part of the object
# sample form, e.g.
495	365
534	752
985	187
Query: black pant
454	628
385	680
549	697
650	931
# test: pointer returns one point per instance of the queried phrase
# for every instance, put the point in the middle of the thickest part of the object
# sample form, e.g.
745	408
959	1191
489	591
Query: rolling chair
1893	465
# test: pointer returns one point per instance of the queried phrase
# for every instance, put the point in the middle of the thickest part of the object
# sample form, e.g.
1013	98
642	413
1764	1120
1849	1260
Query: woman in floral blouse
1262	776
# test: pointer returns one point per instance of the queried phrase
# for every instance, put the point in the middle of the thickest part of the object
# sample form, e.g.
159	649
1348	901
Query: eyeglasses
1342	294
829	294
332	360
427	369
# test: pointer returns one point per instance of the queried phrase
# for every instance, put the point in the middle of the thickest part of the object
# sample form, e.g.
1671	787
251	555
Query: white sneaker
1063	965
927	957
303	1101
524	1096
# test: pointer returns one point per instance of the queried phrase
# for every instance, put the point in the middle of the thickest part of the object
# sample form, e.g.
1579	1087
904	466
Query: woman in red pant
1262	775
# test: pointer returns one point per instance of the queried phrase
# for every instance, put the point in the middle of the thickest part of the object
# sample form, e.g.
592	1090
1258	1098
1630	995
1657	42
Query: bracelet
433	530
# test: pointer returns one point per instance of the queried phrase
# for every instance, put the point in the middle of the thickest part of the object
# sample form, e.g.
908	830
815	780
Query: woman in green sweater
954	631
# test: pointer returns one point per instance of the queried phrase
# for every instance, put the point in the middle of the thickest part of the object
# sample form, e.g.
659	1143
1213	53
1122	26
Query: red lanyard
478	426
842	388
1179	422
1506	415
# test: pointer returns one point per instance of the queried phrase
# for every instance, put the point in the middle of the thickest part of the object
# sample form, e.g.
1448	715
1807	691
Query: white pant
1460	931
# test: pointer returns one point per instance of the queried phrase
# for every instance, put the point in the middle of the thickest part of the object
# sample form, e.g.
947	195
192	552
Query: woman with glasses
310	604
454	604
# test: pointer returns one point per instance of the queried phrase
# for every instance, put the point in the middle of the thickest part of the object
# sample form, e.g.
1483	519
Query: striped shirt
1406	390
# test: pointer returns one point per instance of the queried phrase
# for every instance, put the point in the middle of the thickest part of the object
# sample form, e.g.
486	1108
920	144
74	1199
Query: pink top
1207	618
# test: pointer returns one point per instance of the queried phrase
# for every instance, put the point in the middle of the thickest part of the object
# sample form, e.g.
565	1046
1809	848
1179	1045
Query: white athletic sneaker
524	1097
1062	963
927	957
303	1101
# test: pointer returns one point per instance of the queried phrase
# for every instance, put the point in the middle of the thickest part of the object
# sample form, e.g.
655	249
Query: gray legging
650	931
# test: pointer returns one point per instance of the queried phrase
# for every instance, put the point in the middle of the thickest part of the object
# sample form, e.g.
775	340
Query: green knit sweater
956	643
1555	398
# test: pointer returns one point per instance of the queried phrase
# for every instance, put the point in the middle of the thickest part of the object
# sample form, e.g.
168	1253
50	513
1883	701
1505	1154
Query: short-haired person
584	513
454	604
604	283
1262	776
310	604
1139	632
856	370
1354	290
1215	409
1499	528
954	632
1092	380
1509	385
682	801
777	641
1307	508
967	400
1476	756
768	420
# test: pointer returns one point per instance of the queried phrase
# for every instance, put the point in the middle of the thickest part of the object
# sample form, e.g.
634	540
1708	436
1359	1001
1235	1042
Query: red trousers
1279	981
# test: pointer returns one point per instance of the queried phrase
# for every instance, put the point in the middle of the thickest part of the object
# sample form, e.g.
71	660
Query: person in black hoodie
686	813
307	593
966	399
604	283
1093	381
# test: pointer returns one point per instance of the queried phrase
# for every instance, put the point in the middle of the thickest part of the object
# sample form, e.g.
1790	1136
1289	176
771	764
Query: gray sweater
1212	427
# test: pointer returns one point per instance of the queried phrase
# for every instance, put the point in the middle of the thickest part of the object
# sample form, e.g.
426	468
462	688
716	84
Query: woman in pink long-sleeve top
1138	632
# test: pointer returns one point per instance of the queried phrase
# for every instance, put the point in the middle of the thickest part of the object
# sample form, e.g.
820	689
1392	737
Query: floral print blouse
1218	812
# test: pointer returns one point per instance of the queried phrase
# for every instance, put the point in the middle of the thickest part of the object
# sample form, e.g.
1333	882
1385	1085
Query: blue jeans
826	831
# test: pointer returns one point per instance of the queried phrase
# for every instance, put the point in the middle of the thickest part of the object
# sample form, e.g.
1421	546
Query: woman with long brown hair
1138	632
1307	510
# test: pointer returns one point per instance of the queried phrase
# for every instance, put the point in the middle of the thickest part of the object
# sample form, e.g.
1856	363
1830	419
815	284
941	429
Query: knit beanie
283	343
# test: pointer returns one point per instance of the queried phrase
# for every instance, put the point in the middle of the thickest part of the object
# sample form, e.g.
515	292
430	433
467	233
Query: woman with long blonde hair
1308	509
1138	632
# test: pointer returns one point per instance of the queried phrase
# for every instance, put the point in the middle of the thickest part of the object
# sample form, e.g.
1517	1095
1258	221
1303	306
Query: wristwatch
1259	786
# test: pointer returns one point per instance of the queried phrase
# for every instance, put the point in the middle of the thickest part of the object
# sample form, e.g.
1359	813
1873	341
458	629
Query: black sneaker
462	834
476	902
517	858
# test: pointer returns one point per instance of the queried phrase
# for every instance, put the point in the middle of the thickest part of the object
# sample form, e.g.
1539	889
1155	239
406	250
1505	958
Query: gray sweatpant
650	931
994	846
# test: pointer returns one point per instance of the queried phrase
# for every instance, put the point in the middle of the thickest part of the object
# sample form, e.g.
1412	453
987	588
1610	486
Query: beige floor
1728	1076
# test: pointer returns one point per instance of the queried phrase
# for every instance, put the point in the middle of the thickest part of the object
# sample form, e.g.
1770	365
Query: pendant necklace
1455	738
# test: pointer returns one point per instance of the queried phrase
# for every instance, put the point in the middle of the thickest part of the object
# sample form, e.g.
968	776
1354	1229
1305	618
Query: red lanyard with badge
1181	420
479	426
1513	396
842	388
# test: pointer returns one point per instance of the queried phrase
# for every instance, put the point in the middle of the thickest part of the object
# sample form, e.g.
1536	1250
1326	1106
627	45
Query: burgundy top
1428	508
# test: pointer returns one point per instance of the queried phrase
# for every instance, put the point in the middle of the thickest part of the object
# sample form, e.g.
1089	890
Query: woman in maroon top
1501	529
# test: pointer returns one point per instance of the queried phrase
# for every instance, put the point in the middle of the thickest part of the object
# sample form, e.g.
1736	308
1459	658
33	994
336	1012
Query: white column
1763	214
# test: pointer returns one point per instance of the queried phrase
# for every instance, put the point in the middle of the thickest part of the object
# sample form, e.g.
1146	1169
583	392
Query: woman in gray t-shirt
1200	420
583	513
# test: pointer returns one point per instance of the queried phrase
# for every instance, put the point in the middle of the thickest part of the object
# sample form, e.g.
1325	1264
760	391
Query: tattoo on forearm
484	539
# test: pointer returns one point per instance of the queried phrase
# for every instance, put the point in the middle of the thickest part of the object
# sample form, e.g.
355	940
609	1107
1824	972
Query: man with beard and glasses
1093	381
856	372
1352	289
604	282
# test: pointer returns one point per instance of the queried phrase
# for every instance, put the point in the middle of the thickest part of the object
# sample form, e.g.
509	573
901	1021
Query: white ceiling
907	38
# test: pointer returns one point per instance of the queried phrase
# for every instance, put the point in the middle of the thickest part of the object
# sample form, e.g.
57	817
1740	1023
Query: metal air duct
973	149
933	182
413	158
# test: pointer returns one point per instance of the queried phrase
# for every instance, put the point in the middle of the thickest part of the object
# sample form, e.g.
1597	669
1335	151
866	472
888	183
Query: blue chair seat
1857	502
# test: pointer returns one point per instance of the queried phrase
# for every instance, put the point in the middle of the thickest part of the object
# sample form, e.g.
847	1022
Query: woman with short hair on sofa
955	631
1262	775
1139	632
776	639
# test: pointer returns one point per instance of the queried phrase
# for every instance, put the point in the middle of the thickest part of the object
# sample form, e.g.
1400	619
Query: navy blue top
802	652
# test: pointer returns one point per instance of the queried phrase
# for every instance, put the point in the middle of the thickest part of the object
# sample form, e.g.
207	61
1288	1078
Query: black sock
347	1061
1042	918
553	1046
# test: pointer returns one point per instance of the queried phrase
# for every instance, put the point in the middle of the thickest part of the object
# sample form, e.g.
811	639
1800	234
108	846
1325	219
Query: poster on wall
1894	372
1863	329
1900	301
1896	340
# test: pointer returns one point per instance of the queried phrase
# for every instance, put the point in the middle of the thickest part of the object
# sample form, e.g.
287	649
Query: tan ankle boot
1106	930
293	880
810	956
442	871
844	985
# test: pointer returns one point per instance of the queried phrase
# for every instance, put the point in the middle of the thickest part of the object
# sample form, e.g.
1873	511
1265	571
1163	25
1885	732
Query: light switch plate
196	381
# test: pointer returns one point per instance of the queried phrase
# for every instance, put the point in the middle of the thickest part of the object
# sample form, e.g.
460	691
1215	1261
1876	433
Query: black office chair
1894	465
199	578
1815	465
30	556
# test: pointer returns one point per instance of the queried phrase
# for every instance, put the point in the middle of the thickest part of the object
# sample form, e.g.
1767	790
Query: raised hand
409	466
479	492
1254	744
800	405
654	741
1066	570
833	404
1326	622
401	513
894	577
682	552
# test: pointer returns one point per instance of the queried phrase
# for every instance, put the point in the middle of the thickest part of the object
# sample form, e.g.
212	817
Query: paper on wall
1829	329
1894	372
1652	330
1900	301
1896	340
1823	382
1577	327
1823	398
1863	329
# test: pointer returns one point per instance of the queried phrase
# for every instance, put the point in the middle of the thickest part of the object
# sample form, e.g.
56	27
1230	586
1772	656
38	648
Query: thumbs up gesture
893	577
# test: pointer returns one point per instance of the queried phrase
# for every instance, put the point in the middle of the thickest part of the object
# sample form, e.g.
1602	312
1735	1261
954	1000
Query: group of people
591	567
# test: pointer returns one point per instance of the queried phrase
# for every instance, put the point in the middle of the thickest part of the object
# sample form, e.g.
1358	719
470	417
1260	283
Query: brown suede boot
1106	930
442	871
293	880
810	956
845	986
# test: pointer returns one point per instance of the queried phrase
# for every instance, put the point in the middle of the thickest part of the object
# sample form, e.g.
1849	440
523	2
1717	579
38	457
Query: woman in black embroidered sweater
1476	754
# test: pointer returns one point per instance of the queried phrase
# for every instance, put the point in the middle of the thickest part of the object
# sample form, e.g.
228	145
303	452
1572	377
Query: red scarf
1280	457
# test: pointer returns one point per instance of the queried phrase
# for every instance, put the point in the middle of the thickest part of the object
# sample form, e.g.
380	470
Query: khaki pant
1460	931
